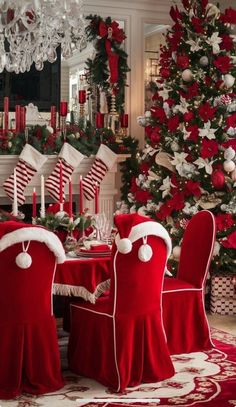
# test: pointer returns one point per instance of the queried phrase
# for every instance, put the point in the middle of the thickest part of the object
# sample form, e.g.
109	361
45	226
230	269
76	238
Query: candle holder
114	120
63	127
34	222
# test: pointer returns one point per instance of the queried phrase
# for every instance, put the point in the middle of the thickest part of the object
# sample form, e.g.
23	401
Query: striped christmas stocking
104	161
30	161
70	158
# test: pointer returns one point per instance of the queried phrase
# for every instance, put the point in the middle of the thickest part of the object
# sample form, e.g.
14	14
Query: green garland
86	140
98	71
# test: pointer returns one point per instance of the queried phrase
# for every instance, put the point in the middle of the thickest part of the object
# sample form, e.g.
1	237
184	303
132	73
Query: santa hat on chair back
132	227
12	232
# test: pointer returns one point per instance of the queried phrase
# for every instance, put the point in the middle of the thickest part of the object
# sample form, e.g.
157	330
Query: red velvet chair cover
184	315
119	341
30	360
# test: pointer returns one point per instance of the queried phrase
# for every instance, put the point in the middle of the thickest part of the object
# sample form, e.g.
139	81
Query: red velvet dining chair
30	360
119	341
184	315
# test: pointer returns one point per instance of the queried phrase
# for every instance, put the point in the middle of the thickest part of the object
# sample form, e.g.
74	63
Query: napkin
100	247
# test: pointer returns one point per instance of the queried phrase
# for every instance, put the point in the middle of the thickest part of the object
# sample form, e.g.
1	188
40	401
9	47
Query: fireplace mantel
108	189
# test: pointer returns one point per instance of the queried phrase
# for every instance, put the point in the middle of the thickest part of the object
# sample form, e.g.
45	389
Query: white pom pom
145	252
204	61
229	80
124	246
23	260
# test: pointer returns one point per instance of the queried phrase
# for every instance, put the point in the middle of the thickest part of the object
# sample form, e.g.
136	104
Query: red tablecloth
81	277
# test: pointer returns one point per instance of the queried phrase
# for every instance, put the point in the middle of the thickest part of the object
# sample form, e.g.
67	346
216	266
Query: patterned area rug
202	379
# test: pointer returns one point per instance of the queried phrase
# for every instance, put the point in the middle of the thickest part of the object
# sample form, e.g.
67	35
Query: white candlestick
15	204
42	209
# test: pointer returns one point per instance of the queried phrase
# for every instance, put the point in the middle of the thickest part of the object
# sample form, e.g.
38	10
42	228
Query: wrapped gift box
223	305
223	295
223	286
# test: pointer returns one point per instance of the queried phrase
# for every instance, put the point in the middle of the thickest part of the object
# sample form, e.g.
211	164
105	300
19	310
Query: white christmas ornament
229	154
176	252
187	75
124	246
204	61
229	166
145	253
23	260
229	80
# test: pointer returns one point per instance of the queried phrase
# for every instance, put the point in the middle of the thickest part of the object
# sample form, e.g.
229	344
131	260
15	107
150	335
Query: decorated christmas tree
188	163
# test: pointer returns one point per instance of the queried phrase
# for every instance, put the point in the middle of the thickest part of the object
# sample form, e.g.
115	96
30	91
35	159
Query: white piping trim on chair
90	310
114	321
181	289
53	276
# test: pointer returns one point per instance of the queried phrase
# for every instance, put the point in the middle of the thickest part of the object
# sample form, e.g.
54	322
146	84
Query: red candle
34	204
99	120
70	200
63	108
124	120
17	118
81	194
6	113
96	198
53	117
61	184
22	118
82	96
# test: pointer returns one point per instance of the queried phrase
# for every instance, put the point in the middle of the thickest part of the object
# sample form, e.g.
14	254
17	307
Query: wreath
108	68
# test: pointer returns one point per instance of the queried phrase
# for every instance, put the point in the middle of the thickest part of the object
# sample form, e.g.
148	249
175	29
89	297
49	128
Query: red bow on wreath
111	32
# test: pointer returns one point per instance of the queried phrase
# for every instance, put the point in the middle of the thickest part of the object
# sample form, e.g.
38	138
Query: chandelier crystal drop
31	31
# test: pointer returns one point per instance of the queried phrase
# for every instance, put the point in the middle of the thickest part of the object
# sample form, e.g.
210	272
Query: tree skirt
202	379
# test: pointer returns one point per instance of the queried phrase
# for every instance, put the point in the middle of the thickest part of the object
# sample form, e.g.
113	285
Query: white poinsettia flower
229	154
166	108
186	133
214	41
133	209
76	221
190	209
147	113
164	93
148	150
179	159
152	207
142	211
231	131
207	131
166	186
182	107
195	45
204	163
142	121
216	249
187	170
130	197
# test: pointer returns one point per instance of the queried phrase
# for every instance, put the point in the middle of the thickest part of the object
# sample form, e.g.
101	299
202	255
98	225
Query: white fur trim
38	234
146	229
107	156
32	157
72	156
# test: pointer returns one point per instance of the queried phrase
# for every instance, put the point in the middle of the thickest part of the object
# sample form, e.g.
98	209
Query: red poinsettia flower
175	14
142	196
165	72
170	102
209	148
133	185
159	113
192	188
206	112
182	61
194	132
197	25
191	92
153	133
188	116
144	167
204	4
185	4
223	63
226	43
230	143
229	16
173	123
231	121
208	80
230	241
164	211
177	202
224	221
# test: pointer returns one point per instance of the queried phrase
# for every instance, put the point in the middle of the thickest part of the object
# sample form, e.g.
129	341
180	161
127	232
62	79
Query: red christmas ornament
218	179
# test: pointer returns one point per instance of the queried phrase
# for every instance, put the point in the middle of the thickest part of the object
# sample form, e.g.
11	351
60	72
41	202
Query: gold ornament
208	201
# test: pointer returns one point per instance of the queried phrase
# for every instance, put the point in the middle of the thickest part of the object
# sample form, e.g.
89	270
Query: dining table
82	277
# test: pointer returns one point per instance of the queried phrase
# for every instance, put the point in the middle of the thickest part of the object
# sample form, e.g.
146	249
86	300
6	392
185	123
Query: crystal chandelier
31	31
